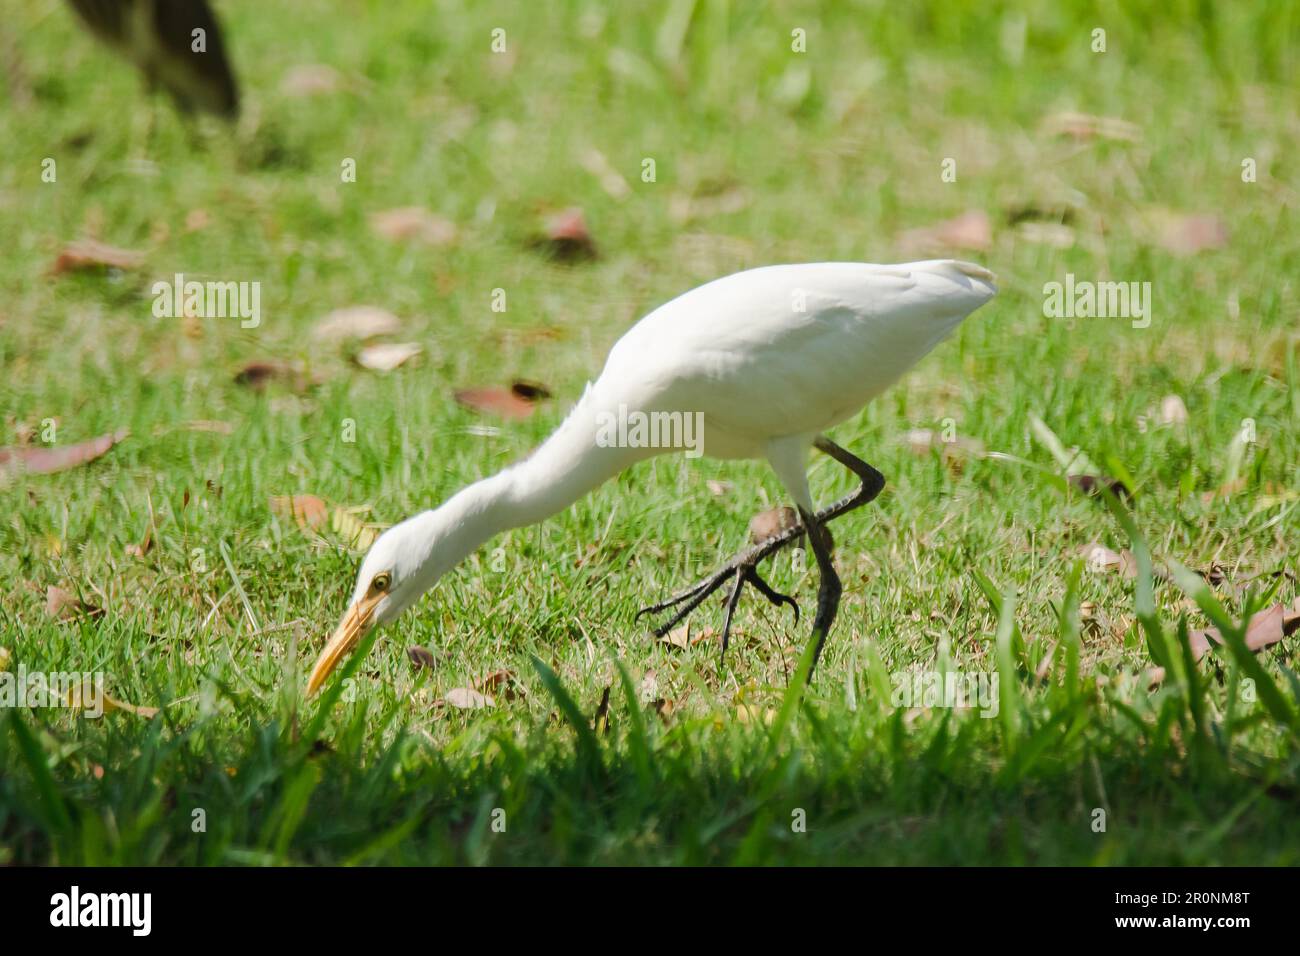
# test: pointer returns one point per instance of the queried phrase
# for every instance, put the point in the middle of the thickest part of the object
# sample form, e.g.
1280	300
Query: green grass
831	154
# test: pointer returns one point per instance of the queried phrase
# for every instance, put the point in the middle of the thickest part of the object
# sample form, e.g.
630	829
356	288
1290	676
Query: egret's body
770	358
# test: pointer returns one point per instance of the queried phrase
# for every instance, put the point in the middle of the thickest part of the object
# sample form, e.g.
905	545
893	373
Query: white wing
791	349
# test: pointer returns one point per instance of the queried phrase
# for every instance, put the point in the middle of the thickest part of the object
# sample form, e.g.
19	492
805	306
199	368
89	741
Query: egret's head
393	575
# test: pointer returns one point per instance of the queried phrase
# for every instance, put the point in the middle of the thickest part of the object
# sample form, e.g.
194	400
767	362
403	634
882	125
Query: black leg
742	568
828	591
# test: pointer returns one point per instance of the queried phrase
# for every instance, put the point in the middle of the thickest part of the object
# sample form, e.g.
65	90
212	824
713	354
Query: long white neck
568	465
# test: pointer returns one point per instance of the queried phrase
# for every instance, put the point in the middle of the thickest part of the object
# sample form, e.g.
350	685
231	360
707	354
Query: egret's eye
381	582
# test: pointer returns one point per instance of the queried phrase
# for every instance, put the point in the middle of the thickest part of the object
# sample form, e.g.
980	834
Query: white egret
766	359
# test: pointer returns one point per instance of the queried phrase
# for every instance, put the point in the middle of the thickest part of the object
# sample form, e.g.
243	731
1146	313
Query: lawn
997	133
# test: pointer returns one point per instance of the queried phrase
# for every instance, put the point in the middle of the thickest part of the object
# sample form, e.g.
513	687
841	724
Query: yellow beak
356	622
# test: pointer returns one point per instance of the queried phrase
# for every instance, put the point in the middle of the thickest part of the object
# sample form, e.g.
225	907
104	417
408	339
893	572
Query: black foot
740	570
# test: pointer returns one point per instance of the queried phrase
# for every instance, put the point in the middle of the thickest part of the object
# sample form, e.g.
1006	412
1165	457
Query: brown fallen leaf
308	511
5	658
196	220
356	322
565	236
89	254
257	375
506	402
311	79
465	698
530	391
683	638
64	605
42	460
503	683
144	547
1101	559
387	356
775	521
1265	628
421	657
971	230
770	523
719	489
1186	235
413	224
1091	486
1215	575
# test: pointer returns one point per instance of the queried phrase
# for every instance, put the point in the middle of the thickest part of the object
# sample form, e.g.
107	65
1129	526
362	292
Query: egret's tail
955	267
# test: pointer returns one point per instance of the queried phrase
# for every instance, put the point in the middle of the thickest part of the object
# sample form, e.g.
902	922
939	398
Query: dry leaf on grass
1101	559
664	707
387	356
413	224
775	521
565	236
89	254
683	638
356	322
719	489
257	375
770	523
502	683
516	402
64	605
1266	628
971	230
421	657
1186	235
41	460
311	79
465	698
530	391
1091	486
307	511
5	658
